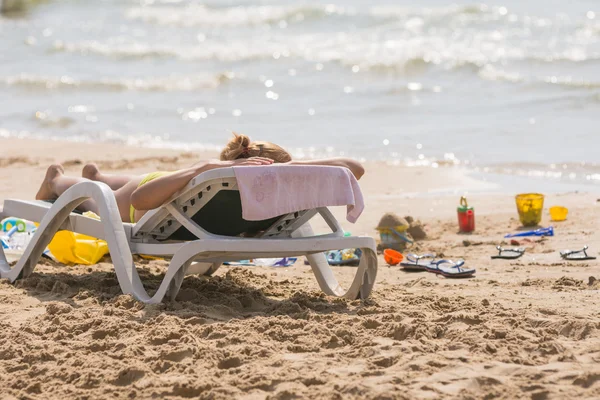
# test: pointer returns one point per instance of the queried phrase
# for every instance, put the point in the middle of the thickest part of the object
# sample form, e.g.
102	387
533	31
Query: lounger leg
3	262
213	268
368	271
203	268
363	281
174	276
177	280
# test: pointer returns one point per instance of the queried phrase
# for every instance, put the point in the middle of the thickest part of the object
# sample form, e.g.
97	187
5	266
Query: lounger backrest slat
289	223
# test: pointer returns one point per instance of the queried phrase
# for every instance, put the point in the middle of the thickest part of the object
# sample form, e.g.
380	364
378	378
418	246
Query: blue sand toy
549	231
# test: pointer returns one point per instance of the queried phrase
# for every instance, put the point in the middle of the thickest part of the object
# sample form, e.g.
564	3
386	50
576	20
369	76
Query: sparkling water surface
510	87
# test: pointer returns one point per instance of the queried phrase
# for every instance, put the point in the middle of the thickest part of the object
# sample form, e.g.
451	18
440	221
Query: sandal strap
566	253
456	264
414	258
502	249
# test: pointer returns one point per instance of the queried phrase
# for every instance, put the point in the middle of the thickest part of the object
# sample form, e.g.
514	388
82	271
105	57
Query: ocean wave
187	14
146	140
348	50
113	137
171	83
568	171
569	81
202	15
392	11
233	51
400	39
493	73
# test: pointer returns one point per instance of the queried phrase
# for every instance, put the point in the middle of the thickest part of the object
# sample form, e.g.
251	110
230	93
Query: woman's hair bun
235	147
240	146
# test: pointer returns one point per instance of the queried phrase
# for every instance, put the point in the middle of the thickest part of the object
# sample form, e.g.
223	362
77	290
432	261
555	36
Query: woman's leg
115	182
56	183
123	196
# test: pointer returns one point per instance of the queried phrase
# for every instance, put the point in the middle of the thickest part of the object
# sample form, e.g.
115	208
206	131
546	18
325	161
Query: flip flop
577	255
411	262
509	254
450	269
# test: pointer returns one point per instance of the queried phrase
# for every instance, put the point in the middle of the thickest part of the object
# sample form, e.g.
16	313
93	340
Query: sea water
508	87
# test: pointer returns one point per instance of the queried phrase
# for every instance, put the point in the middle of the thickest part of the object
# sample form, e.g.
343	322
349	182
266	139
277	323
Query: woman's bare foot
115	182
91	172
46	191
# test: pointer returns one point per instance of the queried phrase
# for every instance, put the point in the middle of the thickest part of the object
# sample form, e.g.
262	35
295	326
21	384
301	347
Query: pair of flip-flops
444	267
576	255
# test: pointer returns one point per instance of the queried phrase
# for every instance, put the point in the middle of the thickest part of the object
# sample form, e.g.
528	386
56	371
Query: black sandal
576	254
509	254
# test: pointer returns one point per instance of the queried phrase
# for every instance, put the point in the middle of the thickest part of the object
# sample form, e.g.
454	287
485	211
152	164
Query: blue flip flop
412	262
450	269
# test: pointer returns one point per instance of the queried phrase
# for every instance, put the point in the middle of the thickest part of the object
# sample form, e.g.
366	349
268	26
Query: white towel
273	190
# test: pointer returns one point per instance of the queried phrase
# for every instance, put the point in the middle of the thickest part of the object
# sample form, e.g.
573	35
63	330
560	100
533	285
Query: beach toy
21	224
392	257
74	248
558	213
5	239
466	216
344	257
392	231
529	206
549	231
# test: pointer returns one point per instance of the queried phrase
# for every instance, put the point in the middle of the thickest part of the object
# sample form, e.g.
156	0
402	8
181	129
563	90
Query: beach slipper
509	254
577	255
450	269
413	262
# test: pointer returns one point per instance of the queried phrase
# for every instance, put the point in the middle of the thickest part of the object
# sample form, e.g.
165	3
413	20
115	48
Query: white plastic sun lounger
199	228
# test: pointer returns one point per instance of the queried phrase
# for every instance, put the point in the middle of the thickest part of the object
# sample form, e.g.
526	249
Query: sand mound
391	220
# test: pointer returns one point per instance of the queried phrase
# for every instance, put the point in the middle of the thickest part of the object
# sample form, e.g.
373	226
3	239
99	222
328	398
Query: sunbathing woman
136	195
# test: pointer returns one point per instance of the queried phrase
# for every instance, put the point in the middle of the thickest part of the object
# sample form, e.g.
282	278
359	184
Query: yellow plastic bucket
558	213
74	248
529	206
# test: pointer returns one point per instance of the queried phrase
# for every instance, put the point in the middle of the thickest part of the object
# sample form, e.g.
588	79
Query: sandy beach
520	329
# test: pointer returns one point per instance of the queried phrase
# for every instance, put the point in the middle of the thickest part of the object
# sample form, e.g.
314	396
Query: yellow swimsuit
149	177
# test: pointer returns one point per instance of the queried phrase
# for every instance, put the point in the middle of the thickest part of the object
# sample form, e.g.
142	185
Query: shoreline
426	192
489	178
494	178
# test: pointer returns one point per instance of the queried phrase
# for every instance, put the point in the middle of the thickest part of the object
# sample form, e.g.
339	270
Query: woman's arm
354	166
156	192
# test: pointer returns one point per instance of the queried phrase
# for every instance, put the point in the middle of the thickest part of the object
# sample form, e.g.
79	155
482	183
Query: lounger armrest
35	210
